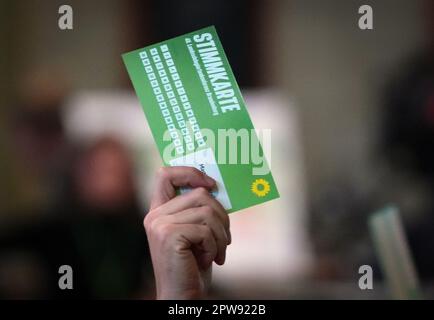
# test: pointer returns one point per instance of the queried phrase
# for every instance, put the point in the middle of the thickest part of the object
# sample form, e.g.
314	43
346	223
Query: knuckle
153	226
163	172
201	193
147	220
207	212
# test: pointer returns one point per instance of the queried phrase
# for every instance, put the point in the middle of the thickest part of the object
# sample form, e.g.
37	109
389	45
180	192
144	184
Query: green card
198	117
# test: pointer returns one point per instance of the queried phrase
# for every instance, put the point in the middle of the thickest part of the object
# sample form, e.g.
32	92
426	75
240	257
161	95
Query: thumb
169	178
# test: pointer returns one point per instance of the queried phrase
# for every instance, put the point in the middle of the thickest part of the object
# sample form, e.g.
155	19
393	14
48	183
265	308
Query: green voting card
198	117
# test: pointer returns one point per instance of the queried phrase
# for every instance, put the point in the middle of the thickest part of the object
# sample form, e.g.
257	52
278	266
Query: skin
186	233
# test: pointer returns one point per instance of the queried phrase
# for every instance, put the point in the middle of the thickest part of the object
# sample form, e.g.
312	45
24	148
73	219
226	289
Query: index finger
168	178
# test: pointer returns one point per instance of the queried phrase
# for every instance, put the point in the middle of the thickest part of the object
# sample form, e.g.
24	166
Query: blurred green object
394	254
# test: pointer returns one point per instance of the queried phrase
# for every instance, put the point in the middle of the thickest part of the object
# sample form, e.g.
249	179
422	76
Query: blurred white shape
89	115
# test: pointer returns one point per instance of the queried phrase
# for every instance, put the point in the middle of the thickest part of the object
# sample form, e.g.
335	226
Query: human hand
186	233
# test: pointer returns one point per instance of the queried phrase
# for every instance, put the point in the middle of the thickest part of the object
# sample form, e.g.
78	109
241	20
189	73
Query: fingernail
210	181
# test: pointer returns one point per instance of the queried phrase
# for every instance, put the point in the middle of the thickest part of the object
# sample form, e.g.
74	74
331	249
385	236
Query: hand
186	233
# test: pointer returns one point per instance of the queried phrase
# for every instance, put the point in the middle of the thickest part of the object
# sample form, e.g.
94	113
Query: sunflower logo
260	187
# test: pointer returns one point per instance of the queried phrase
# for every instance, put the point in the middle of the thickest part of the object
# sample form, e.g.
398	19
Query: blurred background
352	119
